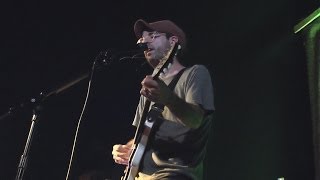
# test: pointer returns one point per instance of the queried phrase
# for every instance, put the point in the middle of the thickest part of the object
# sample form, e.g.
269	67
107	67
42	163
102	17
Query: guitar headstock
165	60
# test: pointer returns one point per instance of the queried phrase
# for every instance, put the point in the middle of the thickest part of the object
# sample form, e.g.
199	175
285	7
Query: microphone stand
24	157
102	59
36	110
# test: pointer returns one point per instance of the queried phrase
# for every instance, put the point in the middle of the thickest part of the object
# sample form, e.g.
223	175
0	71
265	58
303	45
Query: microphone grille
143	46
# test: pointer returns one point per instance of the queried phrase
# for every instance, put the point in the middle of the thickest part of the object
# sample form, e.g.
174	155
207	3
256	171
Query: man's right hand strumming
121	153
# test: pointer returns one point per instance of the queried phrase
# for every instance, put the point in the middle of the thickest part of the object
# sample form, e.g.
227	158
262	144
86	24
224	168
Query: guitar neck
162	64
133	166
140	124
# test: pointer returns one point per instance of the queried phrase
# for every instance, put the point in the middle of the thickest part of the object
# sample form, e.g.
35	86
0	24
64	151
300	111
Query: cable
79	122
104	59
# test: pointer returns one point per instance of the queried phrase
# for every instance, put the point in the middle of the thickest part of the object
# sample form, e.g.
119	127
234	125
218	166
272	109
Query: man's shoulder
198	67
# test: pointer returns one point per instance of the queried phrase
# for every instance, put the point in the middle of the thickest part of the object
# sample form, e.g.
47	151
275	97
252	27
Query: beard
153	57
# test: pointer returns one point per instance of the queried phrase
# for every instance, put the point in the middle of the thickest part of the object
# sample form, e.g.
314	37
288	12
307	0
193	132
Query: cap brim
139	26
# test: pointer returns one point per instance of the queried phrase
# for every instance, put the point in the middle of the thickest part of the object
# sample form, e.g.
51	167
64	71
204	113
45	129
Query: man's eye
155	36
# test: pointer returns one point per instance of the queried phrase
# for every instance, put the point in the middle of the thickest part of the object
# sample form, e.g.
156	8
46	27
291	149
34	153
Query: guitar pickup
154	113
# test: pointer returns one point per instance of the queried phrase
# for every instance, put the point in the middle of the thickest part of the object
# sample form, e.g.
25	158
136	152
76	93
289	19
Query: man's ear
174	39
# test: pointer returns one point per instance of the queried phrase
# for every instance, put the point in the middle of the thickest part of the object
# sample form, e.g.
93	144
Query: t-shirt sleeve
199	88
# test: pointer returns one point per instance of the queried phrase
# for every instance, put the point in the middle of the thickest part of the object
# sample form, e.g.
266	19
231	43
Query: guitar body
139	149
148	119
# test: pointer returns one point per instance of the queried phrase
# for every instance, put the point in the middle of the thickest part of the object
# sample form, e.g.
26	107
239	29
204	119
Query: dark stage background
262	126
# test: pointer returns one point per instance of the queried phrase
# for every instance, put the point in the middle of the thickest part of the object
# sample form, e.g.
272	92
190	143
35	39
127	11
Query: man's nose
140	41
144	40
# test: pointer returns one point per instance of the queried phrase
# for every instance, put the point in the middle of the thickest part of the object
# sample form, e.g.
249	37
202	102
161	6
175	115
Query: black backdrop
262	126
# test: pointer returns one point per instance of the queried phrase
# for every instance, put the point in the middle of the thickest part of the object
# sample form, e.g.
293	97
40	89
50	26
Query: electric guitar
146	122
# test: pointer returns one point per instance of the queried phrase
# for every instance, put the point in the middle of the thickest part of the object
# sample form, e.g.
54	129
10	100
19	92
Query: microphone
110	55
142	45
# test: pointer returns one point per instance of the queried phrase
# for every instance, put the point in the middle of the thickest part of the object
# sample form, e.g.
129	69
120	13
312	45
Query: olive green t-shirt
175	148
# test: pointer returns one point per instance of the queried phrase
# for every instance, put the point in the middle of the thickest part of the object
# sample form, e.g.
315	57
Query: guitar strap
171	86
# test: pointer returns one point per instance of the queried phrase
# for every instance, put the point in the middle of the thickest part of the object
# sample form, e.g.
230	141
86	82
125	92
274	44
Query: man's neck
173	69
